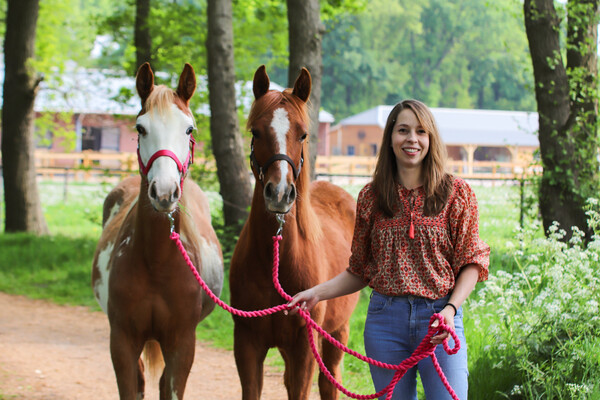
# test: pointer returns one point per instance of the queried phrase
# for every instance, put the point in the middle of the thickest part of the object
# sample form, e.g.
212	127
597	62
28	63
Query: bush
541	321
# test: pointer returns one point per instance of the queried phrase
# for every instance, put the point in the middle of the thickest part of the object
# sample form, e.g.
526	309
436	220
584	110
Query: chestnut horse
139	277
317	234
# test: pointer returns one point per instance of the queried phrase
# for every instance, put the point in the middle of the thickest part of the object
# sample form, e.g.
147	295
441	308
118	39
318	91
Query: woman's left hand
448	314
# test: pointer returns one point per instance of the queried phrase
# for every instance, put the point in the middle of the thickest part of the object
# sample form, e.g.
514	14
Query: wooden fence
344	166
89	165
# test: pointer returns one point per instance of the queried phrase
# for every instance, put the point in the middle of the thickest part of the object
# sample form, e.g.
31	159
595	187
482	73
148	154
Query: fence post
66	186
522	201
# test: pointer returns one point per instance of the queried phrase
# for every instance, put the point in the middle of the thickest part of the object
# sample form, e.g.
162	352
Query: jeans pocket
377	304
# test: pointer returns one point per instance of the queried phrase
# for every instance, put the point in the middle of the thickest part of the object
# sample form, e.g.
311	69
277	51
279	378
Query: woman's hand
342	284
448	314
305	300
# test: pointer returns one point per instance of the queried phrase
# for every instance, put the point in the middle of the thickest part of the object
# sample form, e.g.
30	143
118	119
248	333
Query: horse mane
160	99
308	223
270	100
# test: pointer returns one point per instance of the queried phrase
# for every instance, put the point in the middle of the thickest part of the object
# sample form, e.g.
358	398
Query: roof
93	91
461	126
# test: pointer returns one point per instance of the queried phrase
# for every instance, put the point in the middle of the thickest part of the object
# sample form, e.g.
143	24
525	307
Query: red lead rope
424	350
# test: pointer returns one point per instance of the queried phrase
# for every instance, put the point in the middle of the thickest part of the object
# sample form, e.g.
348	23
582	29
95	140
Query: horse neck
152	228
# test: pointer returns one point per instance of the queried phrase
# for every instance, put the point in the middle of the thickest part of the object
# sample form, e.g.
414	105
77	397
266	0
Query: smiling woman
416	244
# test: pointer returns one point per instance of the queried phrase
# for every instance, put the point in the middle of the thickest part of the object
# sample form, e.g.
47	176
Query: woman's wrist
453	307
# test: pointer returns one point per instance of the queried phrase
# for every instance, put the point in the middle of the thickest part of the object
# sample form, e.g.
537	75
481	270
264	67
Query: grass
58	267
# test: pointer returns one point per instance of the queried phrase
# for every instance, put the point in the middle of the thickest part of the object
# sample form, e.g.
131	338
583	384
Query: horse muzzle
164	194
279	198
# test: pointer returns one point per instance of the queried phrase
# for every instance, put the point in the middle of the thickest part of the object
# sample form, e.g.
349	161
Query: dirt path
51	352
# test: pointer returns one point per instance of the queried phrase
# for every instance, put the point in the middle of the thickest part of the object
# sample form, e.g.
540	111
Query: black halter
277	157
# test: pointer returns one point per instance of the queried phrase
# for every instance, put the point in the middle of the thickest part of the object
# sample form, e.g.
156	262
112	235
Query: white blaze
281	125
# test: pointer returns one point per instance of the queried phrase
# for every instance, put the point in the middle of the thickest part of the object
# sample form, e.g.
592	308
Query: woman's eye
422	132
140	129
189	130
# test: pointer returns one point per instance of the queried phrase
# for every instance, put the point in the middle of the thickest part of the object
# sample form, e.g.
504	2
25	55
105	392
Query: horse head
165	141
278	122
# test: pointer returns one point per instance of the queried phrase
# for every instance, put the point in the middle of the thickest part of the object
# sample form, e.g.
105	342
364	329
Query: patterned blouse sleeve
360	263
464	231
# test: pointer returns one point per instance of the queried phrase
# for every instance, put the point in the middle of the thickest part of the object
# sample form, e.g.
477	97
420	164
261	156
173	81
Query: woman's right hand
304	300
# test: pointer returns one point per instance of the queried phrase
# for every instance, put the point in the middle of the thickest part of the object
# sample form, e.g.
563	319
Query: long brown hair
436	183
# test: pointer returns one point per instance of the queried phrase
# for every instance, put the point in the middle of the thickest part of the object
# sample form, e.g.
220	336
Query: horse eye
303	137
189	130
254	133
140	129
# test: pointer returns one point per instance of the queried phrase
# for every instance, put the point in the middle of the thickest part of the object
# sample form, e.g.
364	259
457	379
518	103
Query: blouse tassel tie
411	204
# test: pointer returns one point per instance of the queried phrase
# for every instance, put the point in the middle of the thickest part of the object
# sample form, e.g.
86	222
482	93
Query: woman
416	244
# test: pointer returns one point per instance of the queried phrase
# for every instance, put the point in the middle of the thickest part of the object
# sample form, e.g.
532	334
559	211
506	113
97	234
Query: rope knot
443	327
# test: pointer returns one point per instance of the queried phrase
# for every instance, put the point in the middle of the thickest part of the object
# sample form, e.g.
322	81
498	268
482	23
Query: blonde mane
160	99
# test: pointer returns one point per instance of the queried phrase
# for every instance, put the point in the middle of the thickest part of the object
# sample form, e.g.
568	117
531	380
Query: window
110	139
90	140
361	135
373	149
96	139
350	151
45	141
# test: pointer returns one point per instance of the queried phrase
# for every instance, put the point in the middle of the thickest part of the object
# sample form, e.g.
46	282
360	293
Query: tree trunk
142	38
23	208
232	168
567	108
305	41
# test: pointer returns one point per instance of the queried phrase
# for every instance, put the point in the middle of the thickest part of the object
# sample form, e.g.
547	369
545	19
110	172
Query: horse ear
303	85
261	82
187	83
144	81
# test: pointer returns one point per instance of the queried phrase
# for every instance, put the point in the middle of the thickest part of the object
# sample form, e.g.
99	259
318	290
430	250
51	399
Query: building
99	108
470	135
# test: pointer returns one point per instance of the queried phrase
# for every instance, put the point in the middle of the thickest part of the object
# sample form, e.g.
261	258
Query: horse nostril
176	194
268	190
153	193
292	194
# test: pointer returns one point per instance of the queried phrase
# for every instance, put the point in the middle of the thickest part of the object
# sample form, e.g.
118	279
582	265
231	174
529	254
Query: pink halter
182	168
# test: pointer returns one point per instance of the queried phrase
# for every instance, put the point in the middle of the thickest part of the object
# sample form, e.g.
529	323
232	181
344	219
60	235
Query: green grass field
57	267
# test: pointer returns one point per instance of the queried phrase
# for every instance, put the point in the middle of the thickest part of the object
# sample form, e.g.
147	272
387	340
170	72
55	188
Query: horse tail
153	358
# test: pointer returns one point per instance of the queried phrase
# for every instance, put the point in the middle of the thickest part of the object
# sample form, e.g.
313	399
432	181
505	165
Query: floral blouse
424	260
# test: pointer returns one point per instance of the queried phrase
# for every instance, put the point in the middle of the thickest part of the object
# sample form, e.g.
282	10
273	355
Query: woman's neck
410	178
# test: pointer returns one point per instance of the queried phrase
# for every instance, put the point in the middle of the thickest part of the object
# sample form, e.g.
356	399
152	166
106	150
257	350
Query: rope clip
171	221
281	220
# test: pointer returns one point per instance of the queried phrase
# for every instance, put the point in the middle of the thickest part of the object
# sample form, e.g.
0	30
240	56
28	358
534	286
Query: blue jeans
394	328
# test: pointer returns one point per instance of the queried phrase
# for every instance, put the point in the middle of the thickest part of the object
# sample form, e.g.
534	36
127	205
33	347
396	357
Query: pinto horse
317	234
139	278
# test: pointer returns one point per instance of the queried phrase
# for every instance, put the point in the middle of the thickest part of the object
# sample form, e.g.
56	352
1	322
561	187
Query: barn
473	137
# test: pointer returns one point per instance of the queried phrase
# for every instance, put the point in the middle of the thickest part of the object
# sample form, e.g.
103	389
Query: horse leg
125	353
332	358
178	353
249	358
299	368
